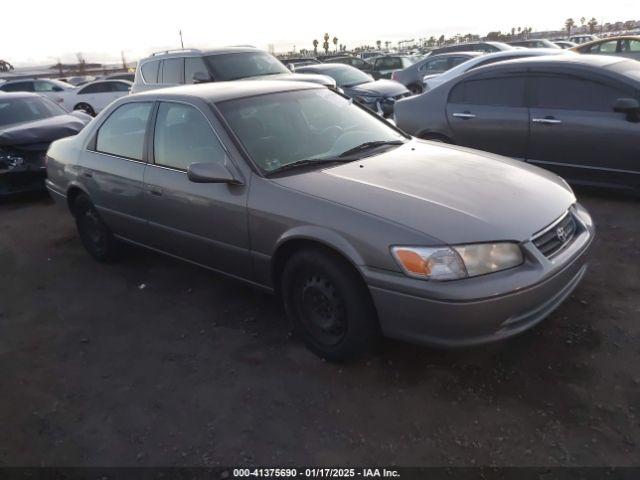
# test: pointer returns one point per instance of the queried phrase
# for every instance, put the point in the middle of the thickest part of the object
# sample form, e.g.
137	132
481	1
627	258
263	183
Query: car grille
558	236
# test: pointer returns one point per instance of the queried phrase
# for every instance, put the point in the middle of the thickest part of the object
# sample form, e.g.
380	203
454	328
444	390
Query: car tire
86	108
94	233
416	89
329	305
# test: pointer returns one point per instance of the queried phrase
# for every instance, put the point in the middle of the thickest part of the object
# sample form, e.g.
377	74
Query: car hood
299	77
43	131
379	88
455	194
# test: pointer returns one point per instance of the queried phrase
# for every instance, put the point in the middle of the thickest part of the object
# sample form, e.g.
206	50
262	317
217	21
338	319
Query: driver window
184	136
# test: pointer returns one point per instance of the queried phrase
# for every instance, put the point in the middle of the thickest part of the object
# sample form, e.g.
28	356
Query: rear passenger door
112	168
202	222
487	112
576	133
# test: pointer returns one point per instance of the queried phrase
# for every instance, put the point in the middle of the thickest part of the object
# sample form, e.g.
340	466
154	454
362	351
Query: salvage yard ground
154	362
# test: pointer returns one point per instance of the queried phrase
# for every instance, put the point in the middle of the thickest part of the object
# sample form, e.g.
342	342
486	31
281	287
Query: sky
41	32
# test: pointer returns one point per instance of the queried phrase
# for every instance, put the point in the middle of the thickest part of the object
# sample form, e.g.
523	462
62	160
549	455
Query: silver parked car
432	80
411	77
361	229
188	66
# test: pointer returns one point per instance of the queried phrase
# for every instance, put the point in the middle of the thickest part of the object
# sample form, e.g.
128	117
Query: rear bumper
429	318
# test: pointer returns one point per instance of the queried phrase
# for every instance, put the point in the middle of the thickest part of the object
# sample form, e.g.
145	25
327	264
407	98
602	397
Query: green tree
593	23
335	43
315	47
5	66
378	44
569	23
325	45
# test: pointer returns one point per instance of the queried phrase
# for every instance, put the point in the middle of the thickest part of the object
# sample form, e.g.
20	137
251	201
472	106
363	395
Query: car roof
215	92
194	52
325	67
20	95
471	53
598	61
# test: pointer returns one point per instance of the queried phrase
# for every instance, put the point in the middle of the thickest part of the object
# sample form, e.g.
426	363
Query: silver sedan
362	230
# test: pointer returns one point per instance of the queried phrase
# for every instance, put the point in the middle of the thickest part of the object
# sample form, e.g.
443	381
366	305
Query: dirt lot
194	369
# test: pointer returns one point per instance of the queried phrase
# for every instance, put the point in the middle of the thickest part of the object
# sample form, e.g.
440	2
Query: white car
54	89
93	97
432	81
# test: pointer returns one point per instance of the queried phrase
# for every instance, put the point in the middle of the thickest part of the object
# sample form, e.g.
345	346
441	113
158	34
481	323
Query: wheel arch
312	237
72	193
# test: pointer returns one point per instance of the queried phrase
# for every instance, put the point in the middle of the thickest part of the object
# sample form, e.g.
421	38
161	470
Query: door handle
153	190
464	115
547	121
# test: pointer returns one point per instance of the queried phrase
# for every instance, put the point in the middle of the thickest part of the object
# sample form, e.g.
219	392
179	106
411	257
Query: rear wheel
86	108
94	234
329	305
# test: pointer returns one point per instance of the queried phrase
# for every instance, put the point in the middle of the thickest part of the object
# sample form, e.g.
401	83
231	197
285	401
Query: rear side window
119	87
390	63
574	93
506	91
604	47
150	71
173	71
95	88
122	134
184	136
18	87
193	65
437	65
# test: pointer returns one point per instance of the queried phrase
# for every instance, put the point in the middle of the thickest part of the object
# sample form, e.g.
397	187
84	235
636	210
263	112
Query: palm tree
315	46
325	45
386	44
582	21
441	40
569	24
592	25
335	43
5	66
378	44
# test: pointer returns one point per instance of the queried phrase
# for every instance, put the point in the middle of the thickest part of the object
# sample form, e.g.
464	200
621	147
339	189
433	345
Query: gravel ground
154	362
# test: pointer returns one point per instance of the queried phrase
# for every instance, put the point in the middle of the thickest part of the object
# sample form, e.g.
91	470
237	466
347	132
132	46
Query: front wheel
86	108
329	305
94	233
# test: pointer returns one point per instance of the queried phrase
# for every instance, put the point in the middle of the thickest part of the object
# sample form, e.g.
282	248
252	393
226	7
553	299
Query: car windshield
347	76
20	110
233	66
315	125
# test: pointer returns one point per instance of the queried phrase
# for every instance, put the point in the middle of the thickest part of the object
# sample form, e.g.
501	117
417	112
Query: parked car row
577	115
362	230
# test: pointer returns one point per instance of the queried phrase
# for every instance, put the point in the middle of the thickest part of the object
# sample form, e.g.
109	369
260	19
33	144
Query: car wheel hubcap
322	310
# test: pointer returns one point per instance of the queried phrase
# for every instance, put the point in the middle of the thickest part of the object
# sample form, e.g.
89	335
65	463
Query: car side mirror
210	172
201	77
629	106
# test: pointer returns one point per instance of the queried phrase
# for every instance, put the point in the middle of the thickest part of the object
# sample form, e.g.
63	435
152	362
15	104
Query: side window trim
151	131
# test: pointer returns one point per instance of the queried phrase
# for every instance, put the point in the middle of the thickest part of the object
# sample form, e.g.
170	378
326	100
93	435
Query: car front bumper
482	309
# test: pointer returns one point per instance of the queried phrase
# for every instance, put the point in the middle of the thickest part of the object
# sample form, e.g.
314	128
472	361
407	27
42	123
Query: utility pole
181	42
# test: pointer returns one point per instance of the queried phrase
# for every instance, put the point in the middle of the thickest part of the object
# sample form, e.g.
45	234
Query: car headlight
461	261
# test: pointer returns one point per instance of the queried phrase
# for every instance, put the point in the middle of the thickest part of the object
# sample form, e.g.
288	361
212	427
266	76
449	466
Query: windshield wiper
368	146
304	162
